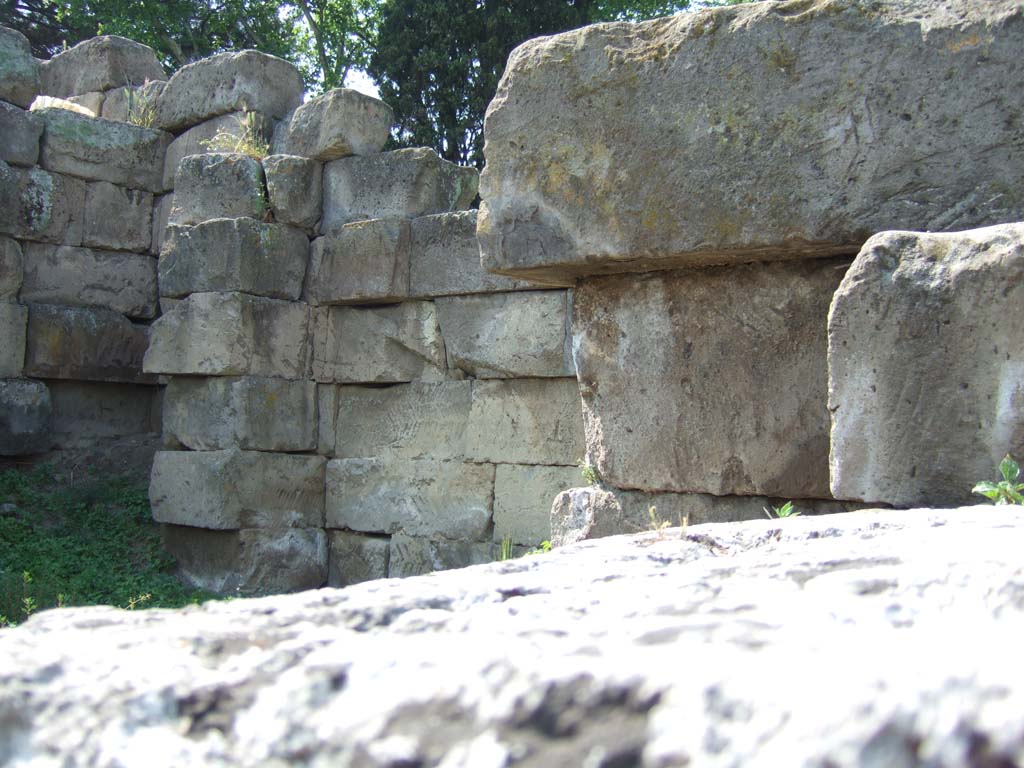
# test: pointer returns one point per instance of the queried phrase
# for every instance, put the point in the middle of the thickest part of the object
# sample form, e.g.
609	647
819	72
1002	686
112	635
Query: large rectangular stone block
250	412
525	421
13	325
103	150
200	139
87	413
84	277
523	497
295	190
444	258
234	255
218	185
758	131
362	263
402	184
405	421
249	562
231	334
507	335
99	64
338	123
417	555
449	499
709	380
355	557
20	132
36	205
19	69
390	344
926	366
117	218
25	411
12	269
85	343
237	489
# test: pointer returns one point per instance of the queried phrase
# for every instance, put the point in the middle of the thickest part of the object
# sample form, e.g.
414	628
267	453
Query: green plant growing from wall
140	108
1007	490
245	138
589	472
781	512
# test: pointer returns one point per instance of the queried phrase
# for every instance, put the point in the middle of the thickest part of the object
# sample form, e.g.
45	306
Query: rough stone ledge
869	638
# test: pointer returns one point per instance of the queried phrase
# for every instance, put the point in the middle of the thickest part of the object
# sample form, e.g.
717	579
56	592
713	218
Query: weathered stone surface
133	104
37	205
24	414
788	135
528	421
711	380
406	421
398	343
117	218
231	334
92	101
12	269
99	64
523	497
216	186
364	262
19	70
594	512
86	413
198	139
237	489
85	344
251	561
402	184
445	258
13	324
925	344
234	255
338	123
417	555
250	412
161	215
295	189
83	277
354	558
20	132
102	149
837	640
229	82
448	499
510	335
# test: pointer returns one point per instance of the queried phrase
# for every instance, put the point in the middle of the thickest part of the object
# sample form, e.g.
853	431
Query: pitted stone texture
448	499
708	381
161	215
250	412
87	413
19	70
402	184
418	555
12	269
85	343
36	205
229	82
508	335
231	334
397	343
926	356
117	218
84	277
522	500
406	421
20	132
234	255
365	262
198	139
216	186
25	412
338	123
295	189
526	421
788	136
103	150
133	102
807	645
253	561
355	558
100	64
13	325
237	489
445	258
